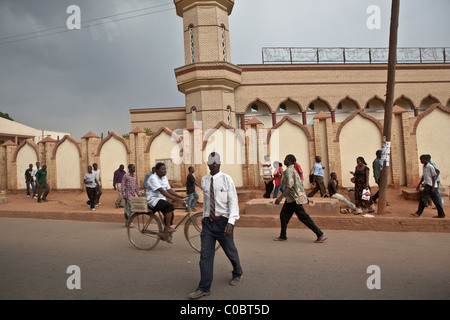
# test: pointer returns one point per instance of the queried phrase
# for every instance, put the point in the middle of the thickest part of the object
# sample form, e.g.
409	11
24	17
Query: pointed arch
211	131
429	97
159	132
259	101
22	144
327	104
349	99
295	123
292	101
427	112
363	114
408	100
110	136
60	142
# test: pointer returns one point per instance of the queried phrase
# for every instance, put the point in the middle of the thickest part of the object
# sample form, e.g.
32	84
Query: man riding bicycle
157	191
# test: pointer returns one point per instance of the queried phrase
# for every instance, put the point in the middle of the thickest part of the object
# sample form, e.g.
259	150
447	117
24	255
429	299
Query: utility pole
392	62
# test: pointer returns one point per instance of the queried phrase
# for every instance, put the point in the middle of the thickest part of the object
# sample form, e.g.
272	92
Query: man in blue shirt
318	179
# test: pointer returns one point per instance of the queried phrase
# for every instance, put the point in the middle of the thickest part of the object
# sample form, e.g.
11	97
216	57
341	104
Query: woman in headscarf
361	180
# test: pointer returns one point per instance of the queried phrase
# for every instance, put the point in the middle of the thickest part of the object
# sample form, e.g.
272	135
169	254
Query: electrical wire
84	22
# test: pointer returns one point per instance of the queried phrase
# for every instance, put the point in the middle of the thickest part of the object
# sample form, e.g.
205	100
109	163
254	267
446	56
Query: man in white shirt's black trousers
220	212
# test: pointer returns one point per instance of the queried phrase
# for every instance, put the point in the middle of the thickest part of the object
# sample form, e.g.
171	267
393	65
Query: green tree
6	116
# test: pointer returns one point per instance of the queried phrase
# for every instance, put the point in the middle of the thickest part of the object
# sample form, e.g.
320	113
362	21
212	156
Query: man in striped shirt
129	189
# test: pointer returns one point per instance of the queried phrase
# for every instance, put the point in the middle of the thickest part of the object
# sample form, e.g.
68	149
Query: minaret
208	78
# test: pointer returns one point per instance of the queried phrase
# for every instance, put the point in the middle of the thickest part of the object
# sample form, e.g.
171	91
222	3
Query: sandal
279	239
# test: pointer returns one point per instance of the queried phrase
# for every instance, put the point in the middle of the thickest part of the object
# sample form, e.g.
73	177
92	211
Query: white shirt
90	178
33	173
428	174
154	183
97	176
225	194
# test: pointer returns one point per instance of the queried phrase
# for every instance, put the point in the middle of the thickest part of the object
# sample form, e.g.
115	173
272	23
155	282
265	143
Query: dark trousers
424	196
319	186
92	195
269	189
212	231
98	194
42	187
286	214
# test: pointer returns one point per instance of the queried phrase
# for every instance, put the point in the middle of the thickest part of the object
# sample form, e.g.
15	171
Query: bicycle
145	228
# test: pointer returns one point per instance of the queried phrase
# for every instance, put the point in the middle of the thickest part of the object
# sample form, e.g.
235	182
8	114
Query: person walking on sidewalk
295	198
220	212
129	189
428	179
90	182
29	180
41	180
191	182
117	184
99	188
318	178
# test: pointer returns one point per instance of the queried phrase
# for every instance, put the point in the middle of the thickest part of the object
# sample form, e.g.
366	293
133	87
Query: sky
125	53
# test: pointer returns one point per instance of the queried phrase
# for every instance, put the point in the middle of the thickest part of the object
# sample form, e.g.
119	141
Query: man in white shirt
429	190
99	188
90	182
220	212
157	191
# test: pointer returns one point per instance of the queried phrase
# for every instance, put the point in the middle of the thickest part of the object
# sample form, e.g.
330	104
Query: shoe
321	239
93	209
415	215
198	294
236	280
279	239
439	216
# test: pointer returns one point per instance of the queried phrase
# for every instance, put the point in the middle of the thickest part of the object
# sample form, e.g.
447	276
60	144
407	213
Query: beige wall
433	132
25	156
359	137
112	155
164	147
227	144
293	140
68	166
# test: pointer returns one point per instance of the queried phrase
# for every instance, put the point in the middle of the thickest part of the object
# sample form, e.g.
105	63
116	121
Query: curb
353	223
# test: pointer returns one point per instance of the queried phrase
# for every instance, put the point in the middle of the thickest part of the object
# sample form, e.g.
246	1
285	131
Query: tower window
254	108
311	107
223	43
229	115
282	107
191	35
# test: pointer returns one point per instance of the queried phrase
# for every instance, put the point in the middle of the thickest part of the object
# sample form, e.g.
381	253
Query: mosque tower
208	78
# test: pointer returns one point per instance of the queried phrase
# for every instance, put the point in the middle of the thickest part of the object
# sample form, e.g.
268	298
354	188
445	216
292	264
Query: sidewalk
71	205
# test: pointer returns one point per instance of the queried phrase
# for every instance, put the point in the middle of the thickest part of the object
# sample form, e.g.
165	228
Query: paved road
35	255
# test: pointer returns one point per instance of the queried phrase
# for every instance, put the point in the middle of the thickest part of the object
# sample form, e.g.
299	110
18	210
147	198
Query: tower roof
182	5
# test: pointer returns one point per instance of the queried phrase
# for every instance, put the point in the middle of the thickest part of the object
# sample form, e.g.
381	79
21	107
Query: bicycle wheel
192	230
144	230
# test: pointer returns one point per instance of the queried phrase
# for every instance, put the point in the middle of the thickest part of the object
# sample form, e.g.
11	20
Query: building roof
13	128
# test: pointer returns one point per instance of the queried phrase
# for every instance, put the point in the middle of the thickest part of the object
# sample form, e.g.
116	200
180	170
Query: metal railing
282	55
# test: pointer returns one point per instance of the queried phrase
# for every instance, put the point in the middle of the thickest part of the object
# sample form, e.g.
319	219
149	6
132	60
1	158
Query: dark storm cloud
87	80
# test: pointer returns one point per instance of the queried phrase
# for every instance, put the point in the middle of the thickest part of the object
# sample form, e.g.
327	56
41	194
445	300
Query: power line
84	22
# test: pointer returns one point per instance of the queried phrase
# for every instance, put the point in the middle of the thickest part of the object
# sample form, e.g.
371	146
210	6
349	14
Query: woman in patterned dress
361	179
